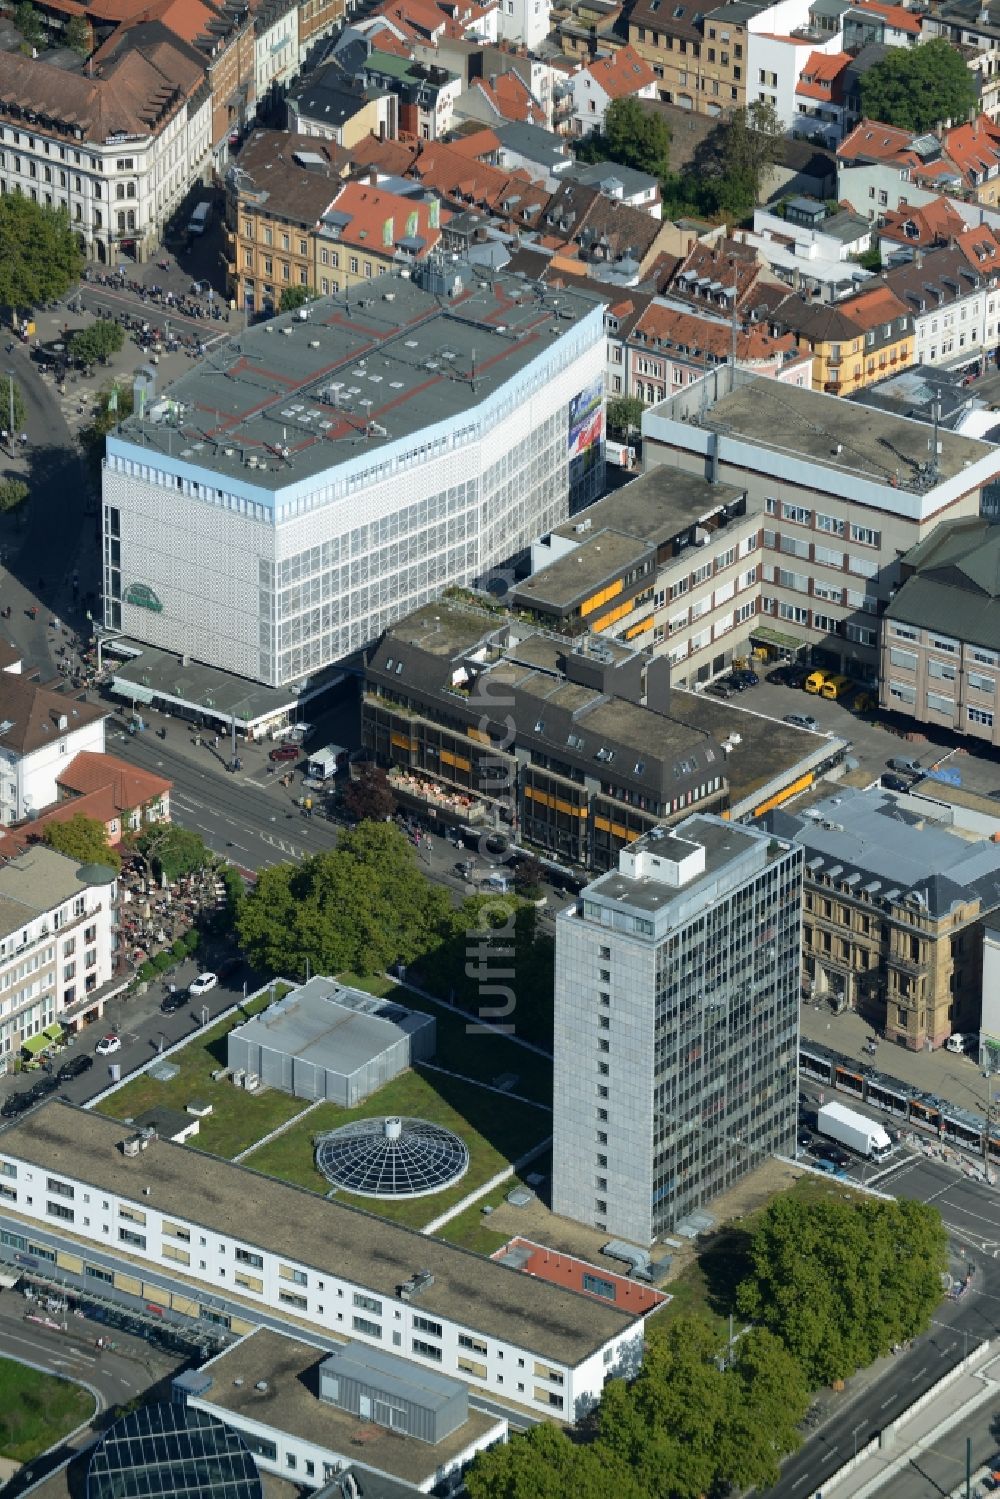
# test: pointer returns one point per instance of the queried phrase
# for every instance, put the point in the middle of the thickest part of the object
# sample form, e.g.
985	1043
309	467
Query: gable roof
510	98
621	74
822	76
930	224
895	16
374	216
34	716
701	338
129	786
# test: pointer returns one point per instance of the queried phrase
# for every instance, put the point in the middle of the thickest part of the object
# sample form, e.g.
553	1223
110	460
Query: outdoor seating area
427	796
151	917
37	1050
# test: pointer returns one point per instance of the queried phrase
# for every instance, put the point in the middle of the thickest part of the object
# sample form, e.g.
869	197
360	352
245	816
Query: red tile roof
932	223
698	338
621	74
511	99
893	15
973	147
376	216
822	76
129	787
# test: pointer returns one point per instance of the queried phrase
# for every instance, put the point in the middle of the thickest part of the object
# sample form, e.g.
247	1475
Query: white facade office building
212	1240
318	477
676	1026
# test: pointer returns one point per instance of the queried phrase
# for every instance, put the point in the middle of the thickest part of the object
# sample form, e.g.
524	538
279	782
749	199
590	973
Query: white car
203	983
108	1044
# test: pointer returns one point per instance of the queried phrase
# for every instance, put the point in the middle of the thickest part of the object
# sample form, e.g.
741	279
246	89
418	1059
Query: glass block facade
676	1026
173	1451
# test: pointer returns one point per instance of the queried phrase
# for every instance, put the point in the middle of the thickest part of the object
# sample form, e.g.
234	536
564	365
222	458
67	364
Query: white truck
327	762
856	1131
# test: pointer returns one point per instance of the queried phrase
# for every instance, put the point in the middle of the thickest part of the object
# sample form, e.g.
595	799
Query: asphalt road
939	1470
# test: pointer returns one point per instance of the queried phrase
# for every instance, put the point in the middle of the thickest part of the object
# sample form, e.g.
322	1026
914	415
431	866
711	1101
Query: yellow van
814	681
834	687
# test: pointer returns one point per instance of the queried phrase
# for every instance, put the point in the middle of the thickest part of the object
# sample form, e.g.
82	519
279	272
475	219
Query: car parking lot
874	738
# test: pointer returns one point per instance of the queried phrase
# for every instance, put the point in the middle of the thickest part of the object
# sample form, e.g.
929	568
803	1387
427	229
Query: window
985	658
828	557
370	1329
291	1299
982	716
943	670
940	704
426	1324
981	683
59	1210
246	1258
865	535
426	1350
829	523
598	1286
943	643
60	1189
796	513
860	635
126	1236
906	659
902	692
367	1303
475	1345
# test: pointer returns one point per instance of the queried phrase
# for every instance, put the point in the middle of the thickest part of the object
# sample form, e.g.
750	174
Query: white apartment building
780	41
276	49
621	75
40	733
523	21
328	472
954	296
57	943
843	491
85	144
160	1207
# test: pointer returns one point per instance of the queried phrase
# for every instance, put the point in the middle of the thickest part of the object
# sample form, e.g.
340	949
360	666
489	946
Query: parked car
835	687
905	763
75	1067
721	688
42	1086
832	1153
108	1045
746	676
284	752
805	1139
822	1165
735	683
814	681
802	721
896	783
16	1103
464	868
202	984
175	1001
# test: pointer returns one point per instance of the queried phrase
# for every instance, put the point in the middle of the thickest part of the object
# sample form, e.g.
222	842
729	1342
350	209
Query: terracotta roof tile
128	786
700	338
621	74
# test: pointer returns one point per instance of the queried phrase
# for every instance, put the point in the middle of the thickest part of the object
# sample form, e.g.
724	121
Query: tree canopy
84	839
39	254
625	414
295	296
77	35
731	163
369	796
13	492
691	1423
174	851
96	342
633	136
840	1283
914	88
361	907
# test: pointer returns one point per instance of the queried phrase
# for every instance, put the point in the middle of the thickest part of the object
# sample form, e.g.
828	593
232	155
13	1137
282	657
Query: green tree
768	1397
545	1463
914	88
77	35
368	795
529	875
363	906
295	296
8	390
174	852
29	24
841	1282
631	135
13	492
97	342
84	839
39	253
625	414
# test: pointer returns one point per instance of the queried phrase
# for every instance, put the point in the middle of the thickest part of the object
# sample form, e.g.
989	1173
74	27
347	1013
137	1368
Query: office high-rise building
676	1025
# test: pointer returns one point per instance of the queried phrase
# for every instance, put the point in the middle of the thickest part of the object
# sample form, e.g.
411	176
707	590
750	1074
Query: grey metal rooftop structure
348	374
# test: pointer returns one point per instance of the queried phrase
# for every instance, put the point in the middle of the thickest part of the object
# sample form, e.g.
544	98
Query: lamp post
11	429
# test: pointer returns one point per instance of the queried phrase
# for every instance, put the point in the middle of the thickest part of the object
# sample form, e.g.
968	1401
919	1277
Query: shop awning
7	1280
769	636
36	1044
53	1031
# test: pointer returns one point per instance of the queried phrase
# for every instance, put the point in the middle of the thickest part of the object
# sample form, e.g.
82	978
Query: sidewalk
954	1078
968	1386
